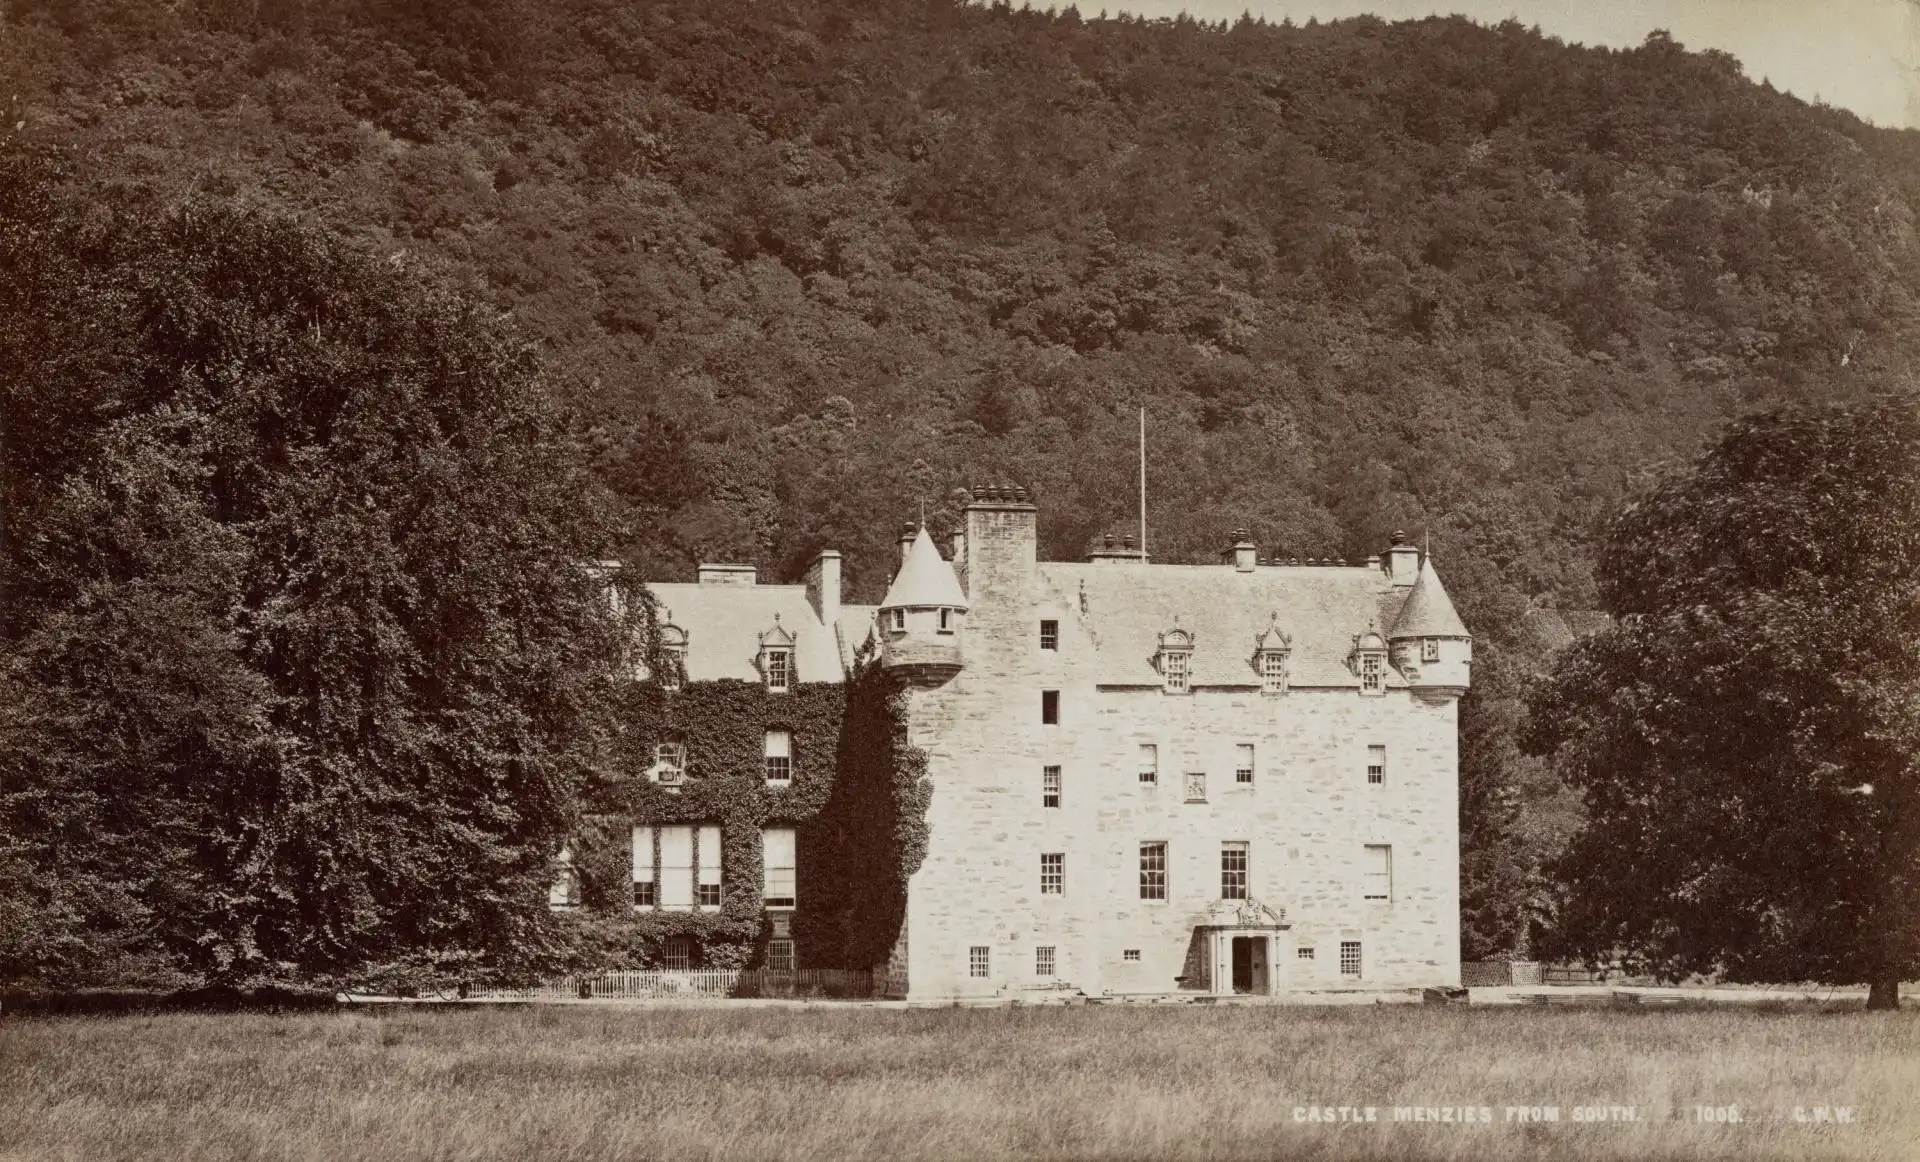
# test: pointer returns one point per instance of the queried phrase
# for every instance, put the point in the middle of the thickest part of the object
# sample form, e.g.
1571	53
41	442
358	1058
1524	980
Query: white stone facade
1335	688
1307	818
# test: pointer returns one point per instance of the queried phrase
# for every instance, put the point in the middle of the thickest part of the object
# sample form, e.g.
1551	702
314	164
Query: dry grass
588	1082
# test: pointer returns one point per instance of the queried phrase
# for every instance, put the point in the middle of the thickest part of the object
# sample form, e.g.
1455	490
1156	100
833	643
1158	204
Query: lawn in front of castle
587	1083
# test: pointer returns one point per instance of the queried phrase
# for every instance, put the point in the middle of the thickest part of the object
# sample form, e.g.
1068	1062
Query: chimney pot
1127	541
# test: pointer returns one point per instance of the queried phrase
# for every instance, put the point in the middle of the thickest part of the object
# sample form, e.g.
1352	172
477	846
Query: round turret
1431	646
922	616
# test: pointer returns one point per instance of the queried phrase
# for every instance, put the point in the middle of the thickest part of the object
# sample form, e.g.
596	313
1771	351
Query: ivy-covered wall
857	802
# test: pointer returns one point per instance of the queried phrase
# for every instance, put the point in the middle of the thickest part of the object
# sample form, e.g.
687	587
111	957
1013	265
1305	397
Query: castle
1146	778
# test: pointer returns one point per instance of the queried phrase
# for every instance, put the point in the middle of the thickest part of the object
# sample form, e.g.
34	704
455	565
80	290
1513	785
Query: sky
1858	55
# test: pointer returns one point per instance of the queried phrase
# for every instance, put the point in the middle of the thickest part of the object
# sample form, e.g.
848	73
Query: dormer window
1271	650
1176	673
776	658
1370	662
1176	661
673	657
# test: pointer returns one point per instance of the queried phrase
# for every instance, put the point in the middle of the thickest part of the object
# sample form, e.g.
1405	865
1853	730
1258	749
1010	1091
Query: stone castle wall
1306	817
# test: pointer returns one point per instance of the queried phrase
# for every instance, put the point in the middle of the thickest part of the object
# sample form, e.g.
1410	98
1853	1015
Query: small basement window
1130	954
1043	960
978	961
1304	953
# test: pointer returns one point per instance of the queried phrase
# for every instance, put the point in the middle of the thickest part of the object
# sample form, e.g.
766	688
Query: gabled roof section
854	631
724	624
1429	611
925	579
1125	610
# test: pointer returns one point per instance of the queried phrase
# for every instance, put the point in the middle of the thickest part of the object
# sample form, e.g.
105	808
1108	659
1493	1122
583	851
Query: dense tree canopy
1747	734
802	265
299	666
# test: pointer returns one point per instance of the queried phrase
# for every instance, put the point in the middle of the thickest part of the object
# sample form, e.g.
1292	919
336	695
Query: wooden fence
717	983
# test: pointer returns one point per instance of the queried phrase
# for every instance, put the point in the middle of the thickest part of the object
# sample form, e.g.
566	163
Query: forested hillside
802	266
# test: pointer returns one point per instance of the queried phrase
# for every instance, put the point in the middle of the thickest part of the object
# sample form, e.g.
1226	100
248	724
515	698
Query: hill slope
801	266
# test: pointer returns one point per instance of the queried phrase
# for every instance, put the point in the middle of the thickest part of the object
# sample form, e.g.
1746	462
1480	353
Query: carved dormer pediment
778	637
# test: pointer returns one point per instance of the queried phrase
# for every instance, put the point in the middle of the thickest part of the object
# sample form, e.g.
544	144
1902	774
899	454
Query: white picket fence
835	983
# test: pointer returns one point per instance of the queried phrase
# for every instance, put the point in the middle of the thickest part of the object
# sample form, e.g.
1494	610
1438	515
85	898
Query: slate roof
724	624
856	626
1322	609
1429	611
924	579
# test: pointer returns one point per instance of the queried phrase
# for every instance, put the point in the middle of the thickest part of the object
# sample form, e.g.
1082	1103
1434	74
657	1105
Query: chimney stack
1107	552
1002	542
906	540
823	586
1241	553
1403	561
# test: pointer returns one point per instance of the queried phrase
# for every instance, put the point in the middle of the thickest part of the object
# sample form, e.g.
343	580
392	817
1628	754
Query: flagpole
1143	482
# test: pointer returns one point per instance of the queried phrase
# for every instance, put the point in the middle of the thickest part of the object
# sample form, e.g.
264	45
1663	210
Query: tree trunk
1884	992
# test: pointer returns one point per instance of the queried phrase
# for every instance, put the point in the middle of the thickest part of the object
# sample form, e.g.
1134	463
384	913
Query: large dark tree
299	663
1747	734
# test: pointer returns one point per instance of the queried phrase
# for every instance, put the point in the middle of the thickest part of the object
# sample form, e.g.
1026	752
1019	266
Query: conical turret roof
924	579
1428	611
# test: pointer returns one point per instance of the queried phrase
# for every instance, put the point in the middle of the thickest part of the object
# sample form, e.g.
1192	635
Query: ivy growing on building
857	801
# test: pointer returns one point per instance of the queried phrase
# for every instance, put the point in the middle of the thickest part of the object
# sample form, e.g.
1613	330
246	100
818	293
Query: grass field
588	1082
